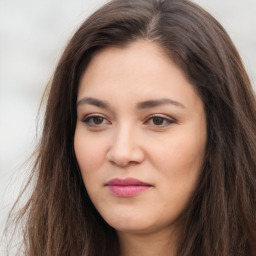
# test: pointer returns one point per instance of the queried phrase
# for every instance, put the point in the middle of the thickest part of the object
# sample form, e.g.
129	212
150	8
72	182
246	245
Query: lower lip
127	190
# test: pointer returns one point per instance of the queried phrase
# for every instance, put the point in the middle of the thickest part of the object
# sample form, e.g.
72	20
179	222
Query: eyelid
168	119
88	117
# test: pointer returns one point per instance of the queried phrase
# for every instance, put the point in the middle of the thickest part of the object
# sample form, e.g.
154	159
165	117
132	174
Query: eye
95	121
159	121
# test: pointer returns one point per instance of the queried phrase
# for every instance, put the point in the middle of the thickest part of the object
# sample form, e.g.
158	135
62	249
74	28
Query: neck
147	245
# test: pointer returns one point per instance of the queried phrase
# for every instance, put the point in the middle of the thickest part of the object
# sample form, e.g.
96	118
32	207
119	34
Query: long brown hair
220	219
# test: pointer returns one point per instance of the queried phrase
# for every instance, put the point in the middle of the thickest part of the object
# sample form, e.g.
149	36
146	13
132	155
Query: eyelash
88	119
167	121
91	118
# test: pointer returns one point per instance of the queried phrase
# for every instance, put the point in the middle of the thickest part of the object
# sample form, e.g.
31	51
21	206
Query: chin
132	224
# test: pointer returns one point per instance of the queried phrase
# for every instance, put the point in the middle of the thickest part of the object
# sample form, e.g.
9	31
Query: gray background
32	37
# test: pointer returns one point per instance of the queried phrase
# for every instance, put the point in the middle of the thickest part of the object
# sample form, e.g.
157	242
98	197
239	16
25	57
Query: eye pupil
97	119
158	120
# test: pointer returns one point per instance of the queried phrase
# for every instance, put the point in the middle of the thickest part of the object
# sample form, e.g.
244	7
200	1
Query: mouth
128	187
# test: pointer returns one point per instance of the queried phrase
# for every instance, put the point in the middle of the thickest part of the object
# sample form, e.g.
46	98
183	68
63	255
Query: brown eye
95	121
158	120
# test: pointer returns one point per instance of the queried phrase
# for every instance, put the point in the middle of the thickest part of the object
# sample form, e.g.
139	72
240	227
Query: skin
160	144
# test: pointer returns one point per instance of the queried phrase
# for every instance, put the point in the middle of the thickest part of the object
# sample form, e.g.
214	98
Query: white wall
32	37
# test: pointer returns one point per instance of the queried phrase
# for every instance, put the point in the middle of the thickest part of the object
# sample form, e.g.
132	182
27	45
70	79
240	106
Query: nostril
124	157
123	164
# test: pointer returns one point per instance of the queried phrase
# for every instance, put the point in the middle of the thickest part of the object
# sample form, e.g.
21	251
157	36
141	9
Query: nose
125	148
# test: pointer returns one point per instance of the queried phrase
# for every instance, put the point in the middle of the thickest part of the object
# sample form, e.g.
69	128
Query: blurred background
33	35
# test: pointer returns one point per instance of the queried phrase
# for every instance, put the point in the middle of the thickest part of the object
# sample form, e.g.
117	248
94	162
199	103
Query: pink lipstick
127	187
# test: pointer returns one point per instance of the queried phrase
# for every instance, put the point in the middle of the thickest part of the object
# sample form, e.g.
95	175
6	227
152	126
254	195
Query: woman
149	142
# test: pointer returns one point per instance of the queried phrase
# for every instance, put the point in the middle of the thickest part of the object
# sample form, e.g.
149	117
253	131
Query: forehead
139	70
134	57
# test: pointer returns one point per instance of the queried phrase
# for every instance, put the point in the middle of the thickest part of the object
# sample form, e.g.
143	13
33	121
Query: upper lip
127	182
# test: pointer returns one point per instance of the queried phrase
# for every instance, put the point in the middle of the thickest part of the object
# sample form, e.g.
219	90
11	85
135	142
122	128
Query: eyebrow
160	102
93	101
140	105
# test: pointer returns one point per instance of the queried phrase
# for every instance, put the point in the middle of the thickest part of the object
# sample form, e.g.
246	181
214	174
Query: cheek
87	152
180	154
180	162
90	155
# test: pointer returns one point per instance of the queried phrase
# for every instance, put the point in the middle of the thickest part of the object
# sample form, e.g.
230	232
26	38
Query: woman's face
140	137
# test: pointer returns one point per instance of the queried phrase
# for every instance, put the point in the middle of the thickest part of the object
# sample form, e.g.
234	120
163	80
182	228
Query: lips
127	187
